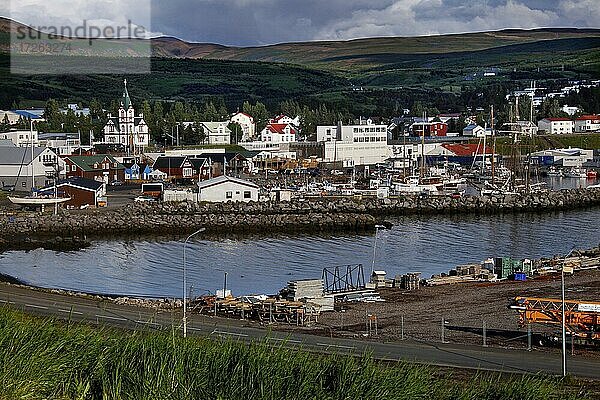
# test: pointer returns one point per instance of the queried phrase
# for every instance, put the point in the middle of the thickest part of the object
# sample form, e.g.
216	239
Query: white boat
554	172
38	200
576	173
413	184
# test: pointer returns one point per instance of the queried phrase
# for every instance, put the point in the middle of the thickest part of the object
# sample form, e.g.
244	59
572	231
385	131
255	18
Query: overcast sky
259	22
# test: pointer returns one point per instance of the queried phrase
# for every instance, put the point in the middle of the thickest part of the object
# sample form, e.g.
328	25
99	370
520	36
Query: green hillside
445	72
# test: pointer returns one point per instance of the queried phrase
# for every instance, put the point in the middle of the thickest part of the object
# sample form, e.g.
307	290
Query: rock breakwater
314	215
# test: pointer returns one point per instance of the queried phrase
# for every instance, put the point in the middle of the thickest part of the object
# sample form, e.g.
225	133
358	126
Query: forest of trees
164	117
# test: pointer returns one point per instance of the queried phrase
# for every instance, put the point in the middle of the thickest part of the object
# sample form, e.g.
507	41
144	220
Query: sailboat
36	199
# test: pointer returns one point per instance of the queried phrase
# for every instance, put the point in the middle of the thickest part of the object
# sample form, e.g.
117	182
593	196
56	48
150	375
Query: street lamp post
185	281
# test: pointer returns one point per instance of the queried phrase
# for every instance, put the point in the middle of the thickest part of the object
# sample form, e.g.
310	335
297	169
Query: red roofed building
556	126
466	150
279	133
587	123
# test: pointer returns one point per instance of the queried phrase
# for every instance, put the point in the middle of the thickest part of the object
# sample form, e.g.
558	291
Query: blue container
520	276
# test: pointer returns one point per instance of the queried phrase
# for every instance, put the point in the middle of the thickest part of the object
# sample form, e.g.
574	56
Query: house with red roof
556	126
587	123
279	133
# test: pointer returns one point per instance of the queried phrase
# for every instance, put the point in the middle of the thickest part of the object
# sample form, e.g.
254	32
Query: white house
226	188
21	138
284	119
17	167
216	132
556	126
570	110
474	130
279	133
247	123
127	129
362	144
587	123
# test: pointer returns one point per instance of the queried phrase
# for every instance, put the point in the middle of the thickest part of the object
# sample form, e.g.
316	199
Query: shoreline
74	230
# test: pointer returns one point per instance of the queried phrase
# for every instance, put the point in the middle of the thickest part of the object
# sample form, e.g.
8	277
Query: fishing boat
576	173
414	184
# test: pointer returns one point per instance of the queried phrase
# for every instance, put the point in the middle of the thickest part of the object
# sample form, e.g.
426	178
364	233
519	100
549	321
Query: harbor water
152	267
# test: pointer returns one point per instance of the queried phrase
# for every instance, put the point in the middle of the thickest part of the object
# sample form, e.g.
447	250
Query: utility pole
564	330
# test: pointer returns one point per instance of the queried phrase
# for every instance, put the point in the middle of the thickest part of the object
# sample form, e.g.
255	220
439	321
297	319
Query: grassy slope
351	54
46	359
591	141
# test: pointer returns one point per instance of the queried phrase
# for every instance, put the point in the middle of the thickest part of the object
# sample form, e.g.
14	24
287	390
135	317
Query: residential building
216	132
556	126
176	167
82	192
448	117
429	129
474	130
19	164
587	123
183	168
284	119
279	133
226	188
570	110
21	138
126	129
247	123
76	110
100	167
526	128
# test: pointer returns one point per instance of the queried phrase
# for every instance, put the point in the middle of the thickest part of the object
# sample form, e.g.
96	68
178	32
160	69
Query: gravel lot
464	305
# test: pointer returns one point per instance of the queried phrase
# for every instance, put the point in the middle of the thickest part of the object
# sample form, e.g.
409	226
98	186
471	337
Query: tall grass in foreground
45	359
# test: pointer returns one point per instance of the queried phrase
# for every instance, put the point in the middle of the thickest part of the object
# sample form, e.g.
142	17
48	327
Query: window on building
228	195
247	195
73	168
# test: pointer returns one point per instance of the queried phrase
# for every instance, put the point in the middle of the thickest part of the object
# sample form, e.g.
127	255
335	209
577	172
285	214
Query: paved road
107	313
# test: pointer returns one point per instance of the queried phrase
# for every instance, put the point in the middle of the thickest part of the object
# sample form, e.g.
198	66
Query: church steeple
126	99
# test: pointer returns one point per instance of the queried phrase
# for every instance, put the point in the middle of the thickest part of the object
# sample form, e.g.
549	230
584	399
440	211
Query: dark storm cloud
257	22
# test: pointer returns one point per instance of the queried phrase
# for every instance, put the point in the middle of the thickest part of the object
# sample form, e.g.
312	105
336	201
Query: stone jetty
308	215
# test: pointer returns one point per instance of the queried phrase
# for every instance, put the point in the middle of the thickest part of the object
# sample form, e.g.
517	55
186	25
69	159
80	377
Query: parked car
116	183
145	199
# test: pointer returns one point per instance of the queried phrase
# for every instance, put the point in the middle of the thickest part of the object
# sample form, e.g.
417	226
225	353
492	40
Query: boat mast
493	145
423	146
32	163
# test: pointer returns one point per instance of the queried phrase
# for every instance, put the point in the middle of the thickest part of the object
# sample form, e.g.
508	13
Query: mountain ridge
346	54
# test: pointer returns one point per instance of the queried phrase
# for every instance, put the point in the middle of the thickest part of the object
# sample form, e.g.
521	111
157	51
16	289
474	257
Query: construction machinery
582	318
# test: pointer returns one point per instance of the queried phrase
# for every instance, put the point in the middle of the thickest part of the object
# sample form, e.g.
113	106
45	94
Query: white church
127	129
